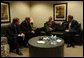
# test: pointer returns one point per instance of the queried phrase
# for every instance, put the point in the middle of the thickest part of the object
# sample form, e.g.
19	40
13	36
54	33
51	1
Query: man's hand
50	29
32	31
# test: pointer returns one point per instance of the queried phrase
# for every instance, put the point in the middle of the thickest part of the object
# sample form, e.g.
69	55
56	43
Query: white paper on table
41	42
58	40
46	38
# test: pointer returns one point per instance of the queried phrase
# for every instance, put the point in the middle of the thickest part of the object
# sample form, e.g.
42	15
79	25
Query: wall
20	9
76	9
41	10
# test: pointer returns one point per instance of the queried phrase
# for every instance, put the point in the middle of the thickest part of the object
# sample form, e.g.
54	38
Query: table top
47	44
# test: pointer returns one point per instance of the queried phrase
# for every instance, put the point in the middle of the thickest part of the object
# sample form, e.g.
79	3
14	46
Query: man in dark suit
72	29
49	26
26	28
12	34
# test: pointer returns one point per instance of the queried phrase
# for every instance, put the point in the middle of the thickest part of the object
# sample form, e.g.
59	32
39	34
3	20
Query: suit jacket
64	25
12	32
74	27
46	26
25	27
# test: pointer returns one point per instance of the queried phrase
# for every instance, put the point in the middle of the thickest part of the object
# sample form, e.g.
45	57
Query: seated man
49	26
26	28
12	34
72	26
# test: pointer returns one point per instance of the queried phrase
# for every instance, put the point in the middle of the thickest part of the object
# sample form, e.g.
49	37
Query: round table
46	49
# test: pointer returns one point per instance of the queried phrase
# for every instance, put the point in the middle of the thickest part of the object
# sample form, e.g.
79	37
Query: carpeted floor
68	52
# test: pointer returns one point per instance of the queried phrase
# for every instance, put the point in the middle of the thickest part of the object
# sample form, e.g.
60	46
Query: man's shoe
73	46
68	45
25	46
12	51
19	53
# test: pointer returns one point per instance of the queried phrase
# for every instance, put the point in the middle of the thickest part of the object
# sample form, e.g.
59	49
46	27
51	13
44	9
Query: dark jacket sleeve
11	33
46	26
74	26
64	25
53	25
25	27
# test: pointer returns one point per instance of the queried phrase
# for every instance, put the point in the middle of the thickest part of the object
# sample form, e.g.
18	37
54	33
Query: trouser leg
20	41
27	37
14	44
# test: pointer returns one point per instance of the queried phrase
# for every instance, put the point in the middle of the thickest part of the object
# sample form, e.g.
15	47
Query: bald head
50	18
